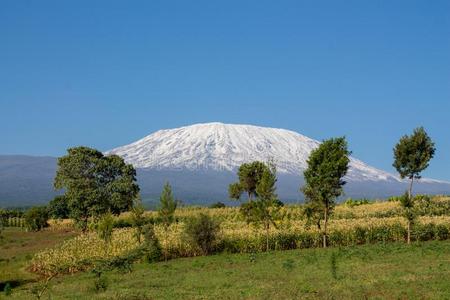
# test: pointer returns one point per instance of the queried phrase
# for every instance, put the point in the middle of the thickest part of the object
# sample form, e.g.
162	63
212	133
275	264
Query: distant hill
26	180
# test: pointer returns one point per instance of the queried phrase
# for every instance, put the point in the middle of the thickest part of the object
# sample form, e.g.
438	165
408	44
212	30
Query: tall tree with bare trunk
412	155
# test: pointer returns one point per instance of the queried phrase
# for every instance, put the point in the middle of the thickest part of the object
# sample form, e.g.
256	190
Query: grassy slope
392	271
16	249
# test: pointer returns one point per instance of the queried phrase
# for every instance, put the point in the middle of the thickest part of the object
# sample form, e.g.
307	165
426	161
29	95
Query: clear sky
105	73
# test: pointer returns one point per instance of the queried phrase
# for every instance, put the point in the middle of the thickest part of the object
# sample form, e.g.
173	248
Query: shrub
394	199
7	289
442	232
100	284
355	202
217	205
151	248
36	218
122	223
105	228
202	232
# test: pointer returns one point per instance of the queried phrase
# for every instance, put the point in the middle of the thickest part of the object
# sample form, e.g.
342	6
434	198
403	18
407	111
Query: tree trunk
409	232
267	237
85	224
411	199
165	242
410	188
325	227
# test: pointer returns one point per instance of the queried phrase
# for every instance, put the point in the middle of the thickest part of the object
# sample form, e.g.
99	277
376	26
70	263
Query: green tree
327	165
118	182
95	184
59	208
249	175
36	218
166	210
264	210
167	205
138	218
412	155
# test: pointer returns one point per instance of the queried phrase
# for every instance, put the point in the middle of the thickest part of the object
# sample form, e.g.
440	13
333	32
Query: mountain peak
219	146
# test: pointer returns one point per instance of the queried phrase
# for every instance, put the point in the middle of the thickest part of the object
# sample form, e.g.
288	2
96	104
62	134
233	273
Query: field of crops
378	222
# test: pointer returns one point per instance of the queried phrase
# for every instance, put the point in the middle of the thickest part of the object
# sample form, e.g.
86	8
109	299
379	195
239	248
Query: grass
391	271
16	249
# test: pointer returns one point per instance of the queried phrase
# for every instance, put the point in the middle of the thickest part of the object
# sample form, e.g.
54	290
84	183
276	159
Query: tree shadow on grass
14	283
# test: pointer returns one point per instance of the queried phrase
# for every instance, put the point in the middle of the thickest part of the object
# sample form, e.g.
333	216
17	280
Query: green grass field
391	271
16	249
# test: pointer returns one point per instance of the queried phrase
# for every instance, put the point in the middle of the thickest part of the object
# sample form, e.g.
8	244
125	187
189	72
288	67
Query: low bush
356	202
202	232
217	205
36	218
151	248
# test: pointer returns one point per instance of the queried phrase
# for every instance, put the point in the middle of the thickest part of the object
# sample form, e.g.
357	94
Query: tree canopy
413	153
327	165
249	175
95	184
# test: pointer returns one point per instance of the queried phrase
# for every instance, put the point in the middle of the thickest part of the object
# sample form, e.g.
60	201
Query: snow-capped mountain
224	147
202	160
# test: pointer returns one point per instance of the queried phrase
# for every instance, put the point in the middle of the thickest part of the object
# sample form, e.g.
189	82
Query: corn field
379	222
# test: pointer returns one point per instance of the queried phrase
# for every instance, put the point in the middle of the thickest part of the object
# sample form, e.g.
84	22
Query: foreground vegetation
102	199
17	247
28	258
383	271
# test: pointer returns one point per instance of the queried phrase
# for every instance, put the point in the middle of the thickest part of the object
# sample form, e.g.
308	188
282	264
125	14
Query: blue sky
105	73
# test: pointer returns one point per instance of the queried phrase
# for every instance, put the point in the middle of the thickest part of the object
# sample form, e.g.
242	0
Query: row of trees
324	181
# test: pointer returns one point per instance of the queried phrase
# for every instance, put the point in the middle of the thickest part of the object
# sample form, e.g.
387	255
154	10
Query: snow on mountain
224	147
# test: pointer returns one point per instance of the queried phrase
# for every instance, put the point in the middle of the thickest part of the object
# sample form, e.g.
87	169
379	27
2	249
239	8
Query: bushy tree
59	208
202	232
119	183
95	184
412	155
36	218
249	176
264	210
327	165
